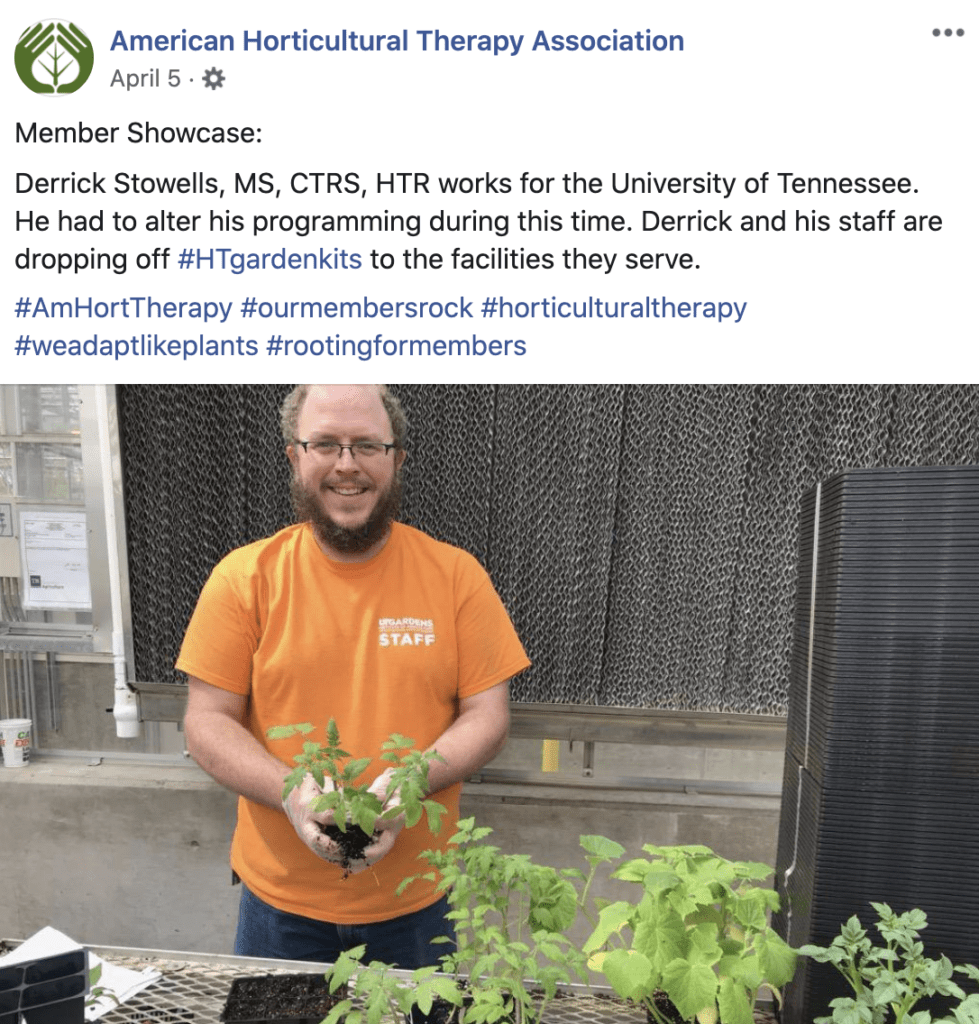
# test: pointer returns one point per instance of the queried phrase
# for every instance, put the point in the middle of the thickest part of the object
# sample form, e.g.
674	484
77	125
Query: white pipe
125	710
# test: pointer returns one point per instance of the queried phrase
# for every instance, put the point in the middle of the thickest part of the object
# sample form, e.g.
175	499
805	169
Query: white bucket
15	740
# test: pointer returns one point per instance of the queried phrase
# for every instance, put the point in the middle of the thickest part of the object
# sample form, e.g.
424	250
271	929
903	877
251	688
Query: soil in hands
280	997
351	843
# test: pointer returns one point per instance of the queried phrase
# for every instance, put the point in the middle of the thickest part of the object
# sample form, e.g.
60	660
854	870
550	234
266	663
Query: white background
837	89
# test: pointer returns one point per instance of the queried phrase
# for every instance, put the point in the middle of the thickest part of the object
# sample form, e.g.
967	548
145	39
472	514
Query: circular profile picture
54	57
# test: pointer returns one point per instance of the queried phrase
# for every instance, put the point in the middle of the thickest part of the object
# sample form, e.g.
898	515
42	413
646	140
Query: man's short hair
292	406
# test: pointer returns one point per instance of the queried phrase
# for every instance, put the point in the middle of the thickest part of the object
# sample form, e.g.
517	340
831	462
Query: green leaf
629	973
742	969
749	908
888	990
553	902
344	968
709	870
283	732
398	742
853	931
661	879
678	853
599	849
967	1012
733	1003
645	939
916	919
364	816
776	958
753	869
326	802
340	1012
353	769
434	812
707	915
611	921
824	954
632	871
703	945
672	941
681	902
847	1011
691	987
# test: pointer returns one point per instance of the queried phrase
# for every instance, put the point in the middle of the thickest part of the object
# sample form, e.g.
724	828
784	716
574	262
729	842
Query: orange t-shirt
388	645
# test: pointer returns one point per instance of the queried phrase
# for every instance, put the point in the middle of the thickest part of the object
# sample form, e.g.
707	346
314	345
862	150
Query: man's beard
308	507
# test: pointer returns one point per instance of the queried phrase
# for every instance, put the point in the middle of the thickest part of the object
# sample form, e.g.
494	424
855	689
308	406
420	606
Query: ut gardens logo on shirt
407	632
54	57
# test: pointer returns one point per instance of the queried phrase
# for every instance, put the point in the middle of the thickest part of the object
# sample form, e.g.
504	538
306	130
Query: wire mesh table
194	987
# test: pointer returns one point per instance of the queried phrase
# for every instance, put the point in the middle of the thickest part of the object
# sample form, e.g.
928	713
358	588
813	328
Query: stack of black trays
880	796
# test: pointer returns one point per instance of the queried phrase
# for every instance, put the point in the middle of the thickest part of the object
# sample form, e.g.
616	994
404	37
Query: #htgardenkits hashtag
238	262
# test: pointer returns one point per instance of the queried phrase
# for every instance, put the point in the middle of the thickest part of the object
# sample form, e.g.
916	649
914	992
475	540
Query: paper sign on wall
54	560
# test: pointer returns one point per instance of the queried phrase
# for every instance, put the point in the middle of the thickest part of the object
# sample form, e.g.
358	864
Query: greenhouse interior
735	630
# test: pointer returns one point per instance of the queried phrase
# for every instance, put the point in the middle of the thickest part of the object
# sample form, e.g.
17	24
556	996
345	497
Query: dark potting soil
279	997
352	843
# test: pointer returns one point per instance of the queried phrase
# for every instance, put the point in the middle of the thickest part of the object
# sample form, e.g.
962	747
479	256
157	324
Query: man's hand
386	829
308	822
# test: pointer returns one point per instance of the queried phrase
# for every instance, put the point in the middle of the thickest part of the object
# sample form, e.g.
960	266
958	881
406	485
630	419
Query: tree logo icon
54	57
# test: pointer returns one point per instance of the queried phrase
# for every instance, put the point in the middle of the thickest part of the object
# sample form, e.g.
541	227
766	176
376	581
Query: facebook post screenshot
513	193
619	664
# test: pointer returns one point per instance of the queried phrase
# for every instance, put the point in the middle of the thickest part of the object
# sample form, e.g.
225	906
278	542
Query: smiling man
353	616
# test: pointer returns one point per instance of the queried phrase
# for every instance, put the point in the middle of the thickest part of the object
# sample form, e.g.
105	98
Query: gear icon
213	79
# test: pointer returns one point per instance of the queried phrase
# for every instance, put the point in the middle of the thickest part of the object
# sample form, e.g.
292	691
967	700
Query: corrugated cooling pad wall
644	538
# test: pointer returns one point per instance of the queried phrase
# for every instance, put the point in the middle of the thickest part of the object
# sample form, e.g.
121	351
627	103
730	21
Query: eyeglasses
358	450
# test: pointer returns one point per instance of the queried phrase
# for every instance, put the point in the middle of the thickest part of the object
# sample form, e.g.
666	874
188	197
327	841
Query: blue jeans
406	941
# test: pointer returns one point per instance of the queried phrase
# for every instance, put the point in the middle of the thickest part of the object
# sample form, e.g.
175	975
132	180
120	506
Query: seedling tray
47	990
279	999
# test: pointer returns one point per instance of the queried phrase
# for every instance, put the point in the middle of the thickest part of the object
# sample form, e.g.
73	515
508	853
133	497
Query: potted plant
509	914
889	981
382	993
355	808
697	932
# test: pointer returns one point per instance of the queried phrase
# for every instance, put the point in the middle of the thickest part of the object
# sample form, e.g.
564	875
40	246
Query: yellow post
550	755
